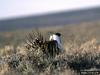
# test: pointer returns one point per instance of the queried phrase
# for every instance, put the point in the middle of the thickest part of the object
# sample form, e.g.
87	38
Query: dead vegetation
36	61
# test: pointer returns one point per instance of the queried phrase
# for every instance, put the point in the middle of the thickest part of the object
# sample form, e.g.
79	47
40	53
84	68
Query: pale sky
16	8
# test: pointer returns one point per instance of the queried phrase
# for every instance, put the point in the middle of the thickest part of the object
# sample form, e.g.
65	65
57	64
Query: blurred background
75	19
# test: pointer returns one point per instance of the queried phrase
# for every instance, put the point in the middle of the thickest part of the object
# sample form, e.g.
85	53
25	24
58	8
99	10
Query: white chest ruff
55	37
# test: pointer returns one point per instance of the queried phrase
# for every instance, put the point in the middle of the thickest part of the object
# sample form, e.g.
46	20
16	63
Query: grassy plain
81	43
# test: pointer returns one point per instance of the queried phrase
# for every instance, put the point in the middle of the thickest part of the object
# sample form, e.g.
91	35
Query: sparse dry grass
83	57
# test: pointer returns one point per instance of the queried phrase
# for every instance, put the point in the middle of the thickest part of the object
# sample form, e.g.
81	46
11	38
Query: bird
56	37
50	47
